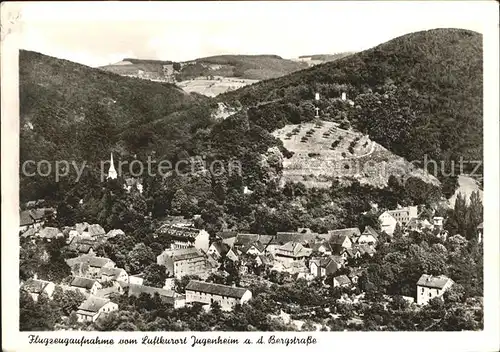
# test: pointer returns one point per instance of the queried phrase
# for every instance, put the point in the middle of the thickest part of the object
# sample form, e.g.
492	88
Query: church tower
112	172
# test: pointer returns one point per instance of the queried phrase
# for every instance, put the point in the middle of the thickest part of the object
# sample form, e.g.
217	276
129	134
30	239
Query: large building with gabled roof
183	261
208	293
429	287
186	237
95	307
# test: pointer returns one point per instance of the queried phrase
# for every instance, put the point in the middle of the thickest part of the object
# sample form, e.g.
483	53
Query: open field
322	152
215	86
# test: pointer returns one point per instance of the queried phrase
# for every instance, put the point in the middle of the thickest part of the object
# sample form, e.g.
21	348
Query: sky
101	33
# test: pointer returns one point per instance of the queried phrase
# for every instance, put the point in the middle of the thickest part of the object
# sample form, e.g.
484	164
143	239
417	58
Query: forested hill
256	67
70	112
417	94
74	111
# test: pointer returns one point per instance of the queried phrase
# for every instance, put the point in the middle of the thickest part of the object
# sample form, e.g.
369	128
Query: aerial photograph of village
260	179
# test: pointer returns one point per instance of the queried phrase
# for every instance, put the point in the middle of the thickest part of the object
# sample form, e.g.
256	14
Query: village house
133	183
83	246
352	233
244	239
292	252
36	287
255	248
115	232
322	247
186	237
219	249
369	236
419	225
49	233
185	261
33	218
264	260
72	233
227	237
365	249
340	242
32	204
272	245
106	292
404	214
387	223
113	274
348	253
304	230
208	293
85	285
401	216
168	296
213	263
429	287
81	227
305	238
358	250
89	265
136	279
437	222
96	231
479	233
95	307
25	221
341	281
29	233
355	274
169	283
84	243
320	267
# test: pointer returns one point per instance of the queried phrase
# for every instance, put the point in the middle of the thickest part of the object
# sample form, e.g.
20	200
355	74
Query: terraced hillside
323	151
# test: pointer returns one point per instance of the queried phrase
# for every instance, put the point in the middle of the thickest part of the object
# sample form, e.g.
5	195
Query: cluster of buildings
193	251
408	219
33	218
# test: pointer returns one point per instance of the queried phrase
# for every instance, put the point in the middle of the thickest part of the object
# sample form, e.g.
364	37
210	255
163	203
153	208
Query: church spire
112	172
